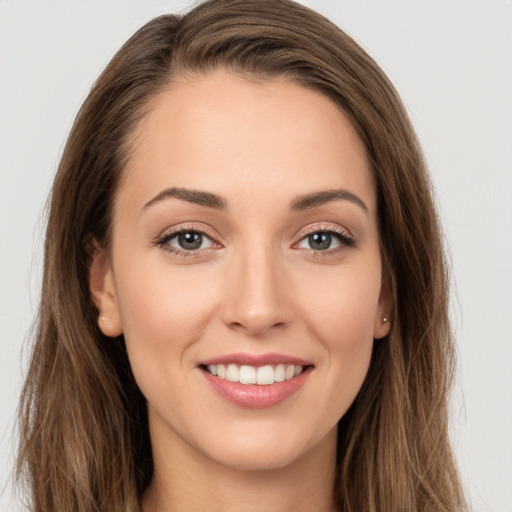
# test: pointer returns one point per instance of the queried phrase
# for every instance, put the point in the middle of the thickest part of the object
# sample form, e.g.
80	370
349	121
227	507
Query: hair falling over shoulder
84	436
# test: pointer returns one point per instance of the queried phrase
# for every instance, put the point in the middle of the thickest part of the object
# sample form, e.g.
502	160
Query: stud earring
385	319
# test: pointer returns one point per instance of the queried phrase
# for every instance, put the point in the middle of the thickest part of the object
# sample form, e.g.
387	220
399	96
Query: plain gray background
451	61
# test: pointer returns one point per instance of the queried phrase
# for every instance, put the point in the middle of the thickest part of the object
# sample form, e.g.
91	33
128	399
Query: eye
185	241
319	241
189	240
325	240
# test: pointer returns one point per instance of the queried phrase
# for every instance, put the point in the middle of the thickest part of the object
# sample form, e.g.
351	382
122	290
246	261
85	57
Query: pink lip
252	395
256	360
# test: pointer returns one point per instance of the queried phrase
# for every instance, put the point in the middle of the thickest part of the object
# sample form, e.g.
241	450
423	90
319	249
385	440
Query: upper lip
242	358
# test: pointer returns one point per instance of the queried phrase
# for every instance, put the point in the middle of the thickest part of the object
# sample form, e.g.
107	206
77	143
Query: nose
256	300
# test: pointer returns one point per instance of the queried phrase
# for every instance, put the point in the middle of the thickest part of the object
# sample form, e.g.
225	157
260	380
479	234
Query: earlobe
103	292
382	321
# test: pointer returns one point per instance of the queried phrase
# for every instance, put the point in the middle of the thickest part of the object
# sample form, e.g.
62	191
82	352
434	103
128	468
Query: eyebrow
217	202
192	196
320	198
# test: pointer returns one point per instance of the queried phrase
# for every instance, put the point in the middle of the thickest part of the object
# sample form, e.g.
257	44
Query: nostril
255	328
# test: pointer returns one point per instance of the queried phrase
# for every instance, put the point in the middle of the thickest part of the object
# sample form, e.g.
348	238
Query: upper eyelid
170	233
325	228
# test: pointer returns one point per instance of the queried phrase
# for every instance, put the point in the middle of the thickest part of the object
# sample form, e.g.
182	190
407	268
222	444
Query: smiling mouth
259	375
256	381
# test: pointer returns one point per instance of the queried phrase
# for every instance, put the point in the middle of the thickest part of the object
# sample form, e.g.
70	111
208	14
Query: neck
187	480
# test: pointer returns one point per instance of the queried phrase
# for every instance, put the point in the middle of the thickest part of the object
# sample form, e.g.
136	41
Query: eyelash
344	239
163	241
341	236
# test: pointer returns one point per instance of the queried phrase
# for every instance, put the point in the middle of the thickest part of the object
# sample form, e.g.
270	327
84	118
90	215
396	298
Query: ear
383	313
103	292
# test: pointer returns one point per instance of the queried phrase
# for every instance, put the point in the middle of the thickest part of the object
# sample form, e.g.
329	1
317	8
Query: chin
258	459
269	449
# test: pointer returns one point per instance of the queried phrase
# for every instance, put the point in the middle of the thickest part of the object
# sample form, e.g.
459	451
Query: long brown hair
84	436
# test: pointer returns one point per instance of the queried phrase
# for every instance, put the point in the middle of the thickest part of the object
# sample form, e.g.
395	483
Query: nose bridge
256	300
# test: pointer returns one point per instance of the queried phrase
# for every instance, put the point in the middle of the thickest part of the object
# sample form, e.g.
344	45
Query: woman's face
245	244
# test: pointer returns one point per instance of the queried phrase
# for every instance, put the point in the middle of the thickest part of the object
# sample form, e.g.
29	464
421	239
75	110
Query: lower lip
257	396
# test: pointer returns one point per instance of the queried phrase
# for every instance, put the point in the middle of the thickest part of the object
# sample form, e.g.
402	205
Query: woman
244	285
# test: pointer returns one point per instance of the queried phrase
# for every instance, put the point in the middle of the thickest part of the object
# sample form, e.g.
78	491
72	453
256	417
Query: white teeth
233	373
262	375
265	375
279	375
247	375
221	371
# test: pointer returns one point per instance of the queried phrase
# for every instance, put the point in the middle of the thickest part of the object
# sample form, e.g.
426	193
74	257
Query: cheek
341	307
341	318
164	311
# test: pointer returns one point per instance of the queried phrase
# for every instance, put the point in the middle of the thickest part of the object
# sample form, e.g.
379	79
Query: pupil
320	241
190	240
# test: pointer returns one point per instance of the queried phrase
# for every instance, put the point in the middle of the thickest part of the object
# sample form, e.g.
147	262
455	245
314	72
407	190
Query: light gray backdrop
451	60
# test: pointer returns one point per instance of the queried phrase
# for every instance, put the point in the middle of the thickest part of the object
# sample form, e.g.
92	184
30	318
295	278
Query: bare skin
187	482
270	273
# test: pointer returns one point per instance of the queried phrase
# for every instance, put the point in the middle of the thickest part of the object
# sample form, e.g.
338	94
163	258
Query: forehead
231	135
